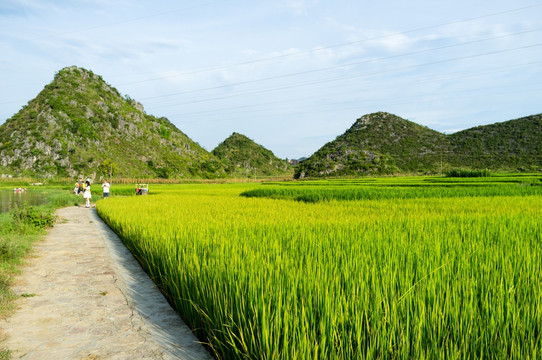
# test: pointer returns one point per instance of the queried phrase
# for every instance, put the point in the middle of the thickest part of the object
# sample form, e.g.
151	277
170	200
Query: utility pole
441	161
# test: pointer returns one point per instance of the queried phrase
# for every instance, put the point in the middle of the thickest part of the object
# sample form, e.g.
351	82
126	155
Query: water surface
8	199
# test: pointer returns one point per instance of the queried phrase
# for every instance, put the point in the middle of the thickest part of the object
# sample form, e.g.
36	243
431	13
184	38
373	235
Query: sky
290	74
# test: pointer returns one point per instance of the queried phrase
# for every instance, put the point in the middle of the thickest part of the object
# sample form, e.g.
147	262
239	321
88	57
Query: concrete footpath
83	296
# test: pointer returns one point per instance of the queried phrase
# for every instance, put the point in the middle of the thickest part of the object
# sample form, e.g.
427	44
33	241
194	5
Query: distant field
405	268
401	188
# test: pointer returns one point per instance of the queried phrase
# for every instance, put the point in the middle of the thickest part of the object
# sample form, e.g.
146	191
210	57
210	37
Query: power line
395	101
303	52
454	76
285	55
417	52
352	76
309	51
300	112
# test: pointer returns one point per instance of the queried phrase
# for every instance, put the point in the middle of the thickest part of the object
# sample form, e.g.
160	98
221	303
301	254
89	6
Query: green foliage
30	215
36	152
394	145
62	199
165	132
501	146
211	166
8	145
5	354
468	173
61	170
164	172
83	114
114	122
108	168
242	157
376	144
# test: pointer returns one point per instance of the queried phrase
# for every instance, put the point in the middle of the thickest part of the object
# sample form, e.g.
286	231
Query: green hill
510	145
80	125
242	157
383	143
379	143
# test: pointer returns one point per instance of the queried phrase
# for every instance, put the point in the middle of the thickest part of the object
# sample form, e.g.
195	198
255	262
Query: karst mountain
383	143
242	157
79	125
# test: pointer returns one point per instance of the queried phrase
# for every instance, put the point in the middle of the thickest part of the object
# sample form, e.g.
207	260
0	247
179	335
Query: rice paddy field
376	268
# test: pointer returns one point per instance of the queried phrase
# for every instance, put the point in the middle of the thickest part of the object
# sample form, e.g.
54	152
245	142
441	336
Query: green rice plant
384	278
317	194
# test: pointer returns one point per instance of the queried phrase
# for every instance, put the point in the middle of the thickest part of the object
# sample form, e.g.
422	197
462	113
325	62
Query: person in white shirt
105	187
86	193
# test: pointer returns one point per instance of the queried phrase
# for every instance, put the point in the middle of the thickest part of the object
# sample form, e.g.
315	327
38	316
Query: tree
108	168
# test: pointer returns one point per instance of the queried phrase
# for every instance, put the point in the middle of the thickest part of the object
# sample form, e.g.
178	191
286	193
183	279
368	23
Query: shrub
468	173
29	215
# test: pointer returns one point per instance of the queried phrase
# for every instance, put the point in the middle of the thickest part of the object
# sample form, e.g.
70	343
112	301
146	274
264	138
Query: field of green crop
400	268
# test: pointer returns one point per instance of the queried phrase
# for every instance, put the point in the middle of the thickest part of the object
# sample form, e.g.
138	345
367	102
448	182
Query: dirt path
85	297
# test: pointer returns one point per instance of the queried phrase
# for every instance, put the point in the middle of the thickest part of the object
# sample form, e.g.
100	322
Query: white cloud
391	42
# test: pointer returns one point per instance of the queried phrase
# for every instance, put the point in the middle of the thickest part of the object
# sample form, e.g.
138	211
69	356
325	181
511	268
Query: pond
8	199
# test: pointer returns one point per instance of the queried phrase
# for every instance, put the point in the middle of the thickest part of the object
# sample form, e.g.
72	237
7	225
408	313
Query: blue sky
290	74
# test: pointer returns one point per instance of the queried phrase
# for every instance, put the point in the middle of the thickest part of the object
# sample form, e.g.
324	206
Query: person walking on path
105	187
86	193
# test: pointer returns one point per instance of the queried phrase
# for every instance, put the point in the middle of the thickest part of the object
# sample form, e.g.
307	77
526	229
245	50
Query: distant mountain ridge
79	125
242	157
383	143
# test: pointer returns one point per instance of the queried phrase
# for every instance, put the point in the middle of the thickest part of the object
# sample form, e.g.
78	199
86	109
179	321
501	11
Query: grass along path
83	296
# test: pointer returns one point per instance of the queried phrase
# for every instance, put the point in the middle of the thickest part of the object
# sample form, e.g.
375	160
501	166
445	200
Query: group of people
84	187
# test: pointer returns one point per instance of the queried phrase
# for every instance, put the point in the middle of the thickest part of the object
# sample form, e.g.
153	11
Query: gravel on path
84	296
